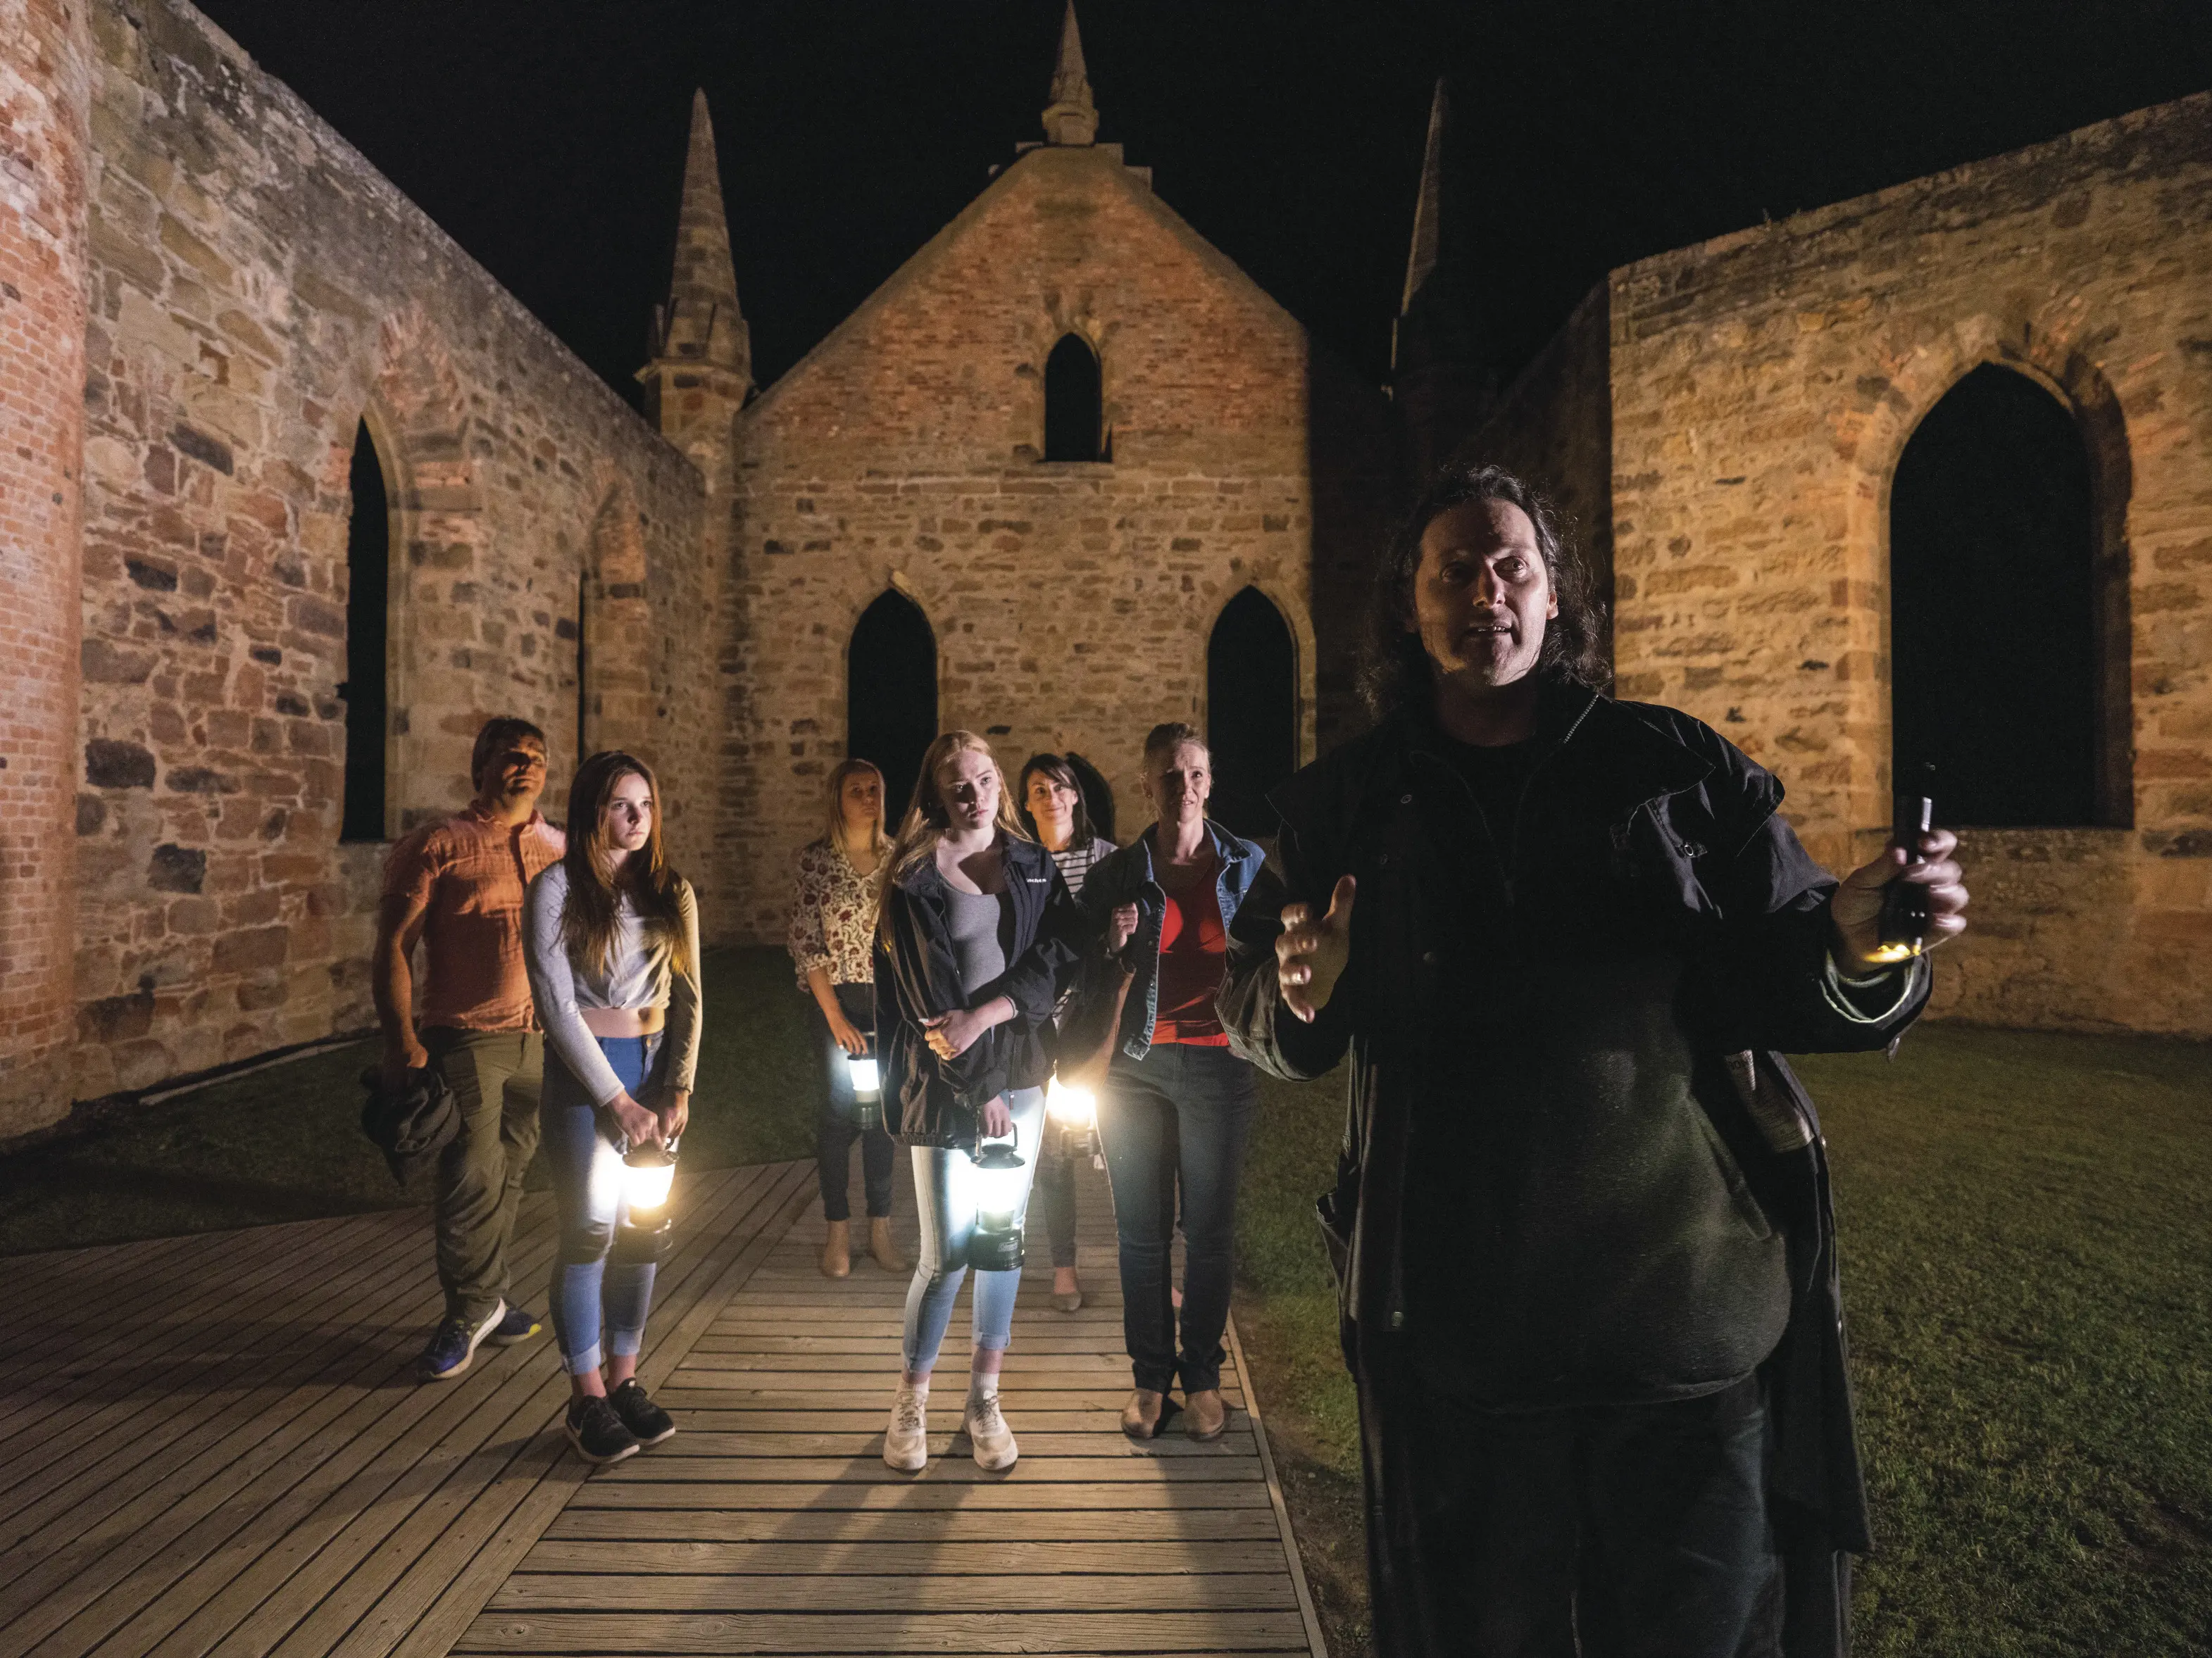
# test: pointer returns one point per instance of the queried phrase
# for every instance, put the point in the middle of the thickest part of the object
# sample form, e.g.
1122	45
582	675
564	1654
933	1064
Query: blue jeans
587	1198
1175	1121
839	1124
944	1191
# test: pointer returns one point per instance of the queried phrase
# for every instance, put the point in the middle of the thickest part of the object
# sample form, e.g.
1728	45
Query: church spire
1421	262
702	322
1071	118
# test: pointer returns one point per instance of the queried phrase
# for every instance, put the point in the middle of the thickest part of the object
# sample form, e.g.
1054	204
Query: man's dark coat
1647	812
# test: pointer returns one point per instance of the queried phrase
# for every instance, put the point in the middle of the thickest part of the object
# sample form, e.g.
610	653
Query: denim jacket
1126	878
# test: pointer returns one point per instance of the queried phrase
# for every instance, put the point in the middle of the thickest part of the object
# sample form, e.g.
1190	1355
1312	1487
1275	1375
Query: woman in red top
1177	1104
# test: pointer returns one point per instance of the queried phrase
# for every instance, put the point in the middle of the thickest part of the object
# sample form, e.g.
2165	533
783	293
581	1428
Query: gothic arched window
1993	601
890	694
1074	421
368	584
1251	710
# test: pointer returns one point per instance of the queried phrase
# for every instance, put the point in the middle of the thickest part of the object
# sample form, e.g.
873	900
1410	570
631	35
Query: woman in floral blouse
832	931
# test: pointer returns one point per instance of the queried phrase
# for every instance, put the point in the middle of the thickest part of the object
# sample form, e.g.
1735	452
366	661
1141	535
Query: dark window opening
1994	607
891	690
1097	794
1252	710
369	568
1073	417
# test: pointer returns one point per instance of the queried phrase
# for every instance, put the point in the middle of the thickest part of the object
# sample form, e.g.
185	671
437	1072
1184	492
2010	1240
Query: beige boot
837	1250
1205	1414
881	1250
1140	1417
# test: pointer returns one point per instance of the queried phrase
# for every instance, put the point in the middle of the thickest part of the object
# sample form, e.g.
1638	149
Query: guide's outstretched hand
1311	955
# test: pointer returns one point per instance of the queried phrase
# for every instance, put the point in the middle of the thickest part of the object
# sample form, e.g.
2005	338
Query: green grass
285	1143
2026	1235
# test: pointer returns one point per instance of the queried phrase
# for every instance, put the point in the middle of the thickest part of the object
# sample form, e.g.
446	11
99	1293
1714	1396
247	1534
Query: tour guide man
1589	1293
456	884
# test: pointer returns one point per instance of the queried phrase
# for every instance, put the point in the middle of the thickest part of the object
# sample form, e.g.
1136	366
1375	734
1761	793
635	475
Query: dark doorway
890	692
1252	710
368	579
1073	416
1993	607
1097	795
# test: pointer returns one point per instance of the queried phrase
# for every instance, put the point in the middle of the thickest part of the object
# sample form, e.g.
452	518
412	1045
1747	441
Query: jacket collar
925	879
1227	850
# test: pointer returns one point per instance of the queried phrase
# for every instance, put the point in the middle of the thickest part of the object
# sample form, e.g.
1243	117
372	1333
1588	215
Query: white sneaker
994	1440
906	1441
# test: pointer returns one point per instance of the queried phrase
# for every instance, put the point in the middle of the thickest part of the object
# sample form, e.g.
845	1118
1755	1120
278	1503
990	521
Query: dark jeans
1621	1530
839	1125
1055	1193
1177	1118
496	1076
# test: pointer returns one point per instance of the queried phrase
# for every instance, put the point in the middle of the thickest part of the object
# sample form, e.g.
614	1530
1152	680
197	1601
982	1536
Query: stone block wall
1764	385
1072	601
255	291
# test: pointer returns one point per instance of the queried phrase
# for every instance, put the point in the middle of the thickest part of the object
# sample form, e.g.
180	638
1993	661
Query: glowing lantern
867	1089
995	1245
649	1216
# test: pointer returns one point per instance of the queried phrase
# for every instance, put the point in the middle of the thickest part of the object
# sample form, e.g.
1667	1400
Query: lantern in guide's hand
995	1244
867	1089
1072	1112
649	1218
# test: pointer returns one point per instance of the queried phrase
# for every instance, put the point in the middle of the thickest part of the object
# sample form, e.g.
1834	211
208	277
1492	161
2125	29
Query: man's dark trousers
1617	1531
480	1173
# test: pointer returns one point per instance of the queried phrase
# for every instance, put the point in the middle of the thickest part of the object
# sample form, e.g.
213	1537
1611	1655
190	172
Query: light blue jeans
588	1197
945	1192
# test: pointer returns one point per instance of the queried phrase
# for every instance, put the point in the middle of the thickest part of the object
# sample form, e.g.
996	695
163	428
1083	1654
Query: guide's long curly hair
1395	672
645	877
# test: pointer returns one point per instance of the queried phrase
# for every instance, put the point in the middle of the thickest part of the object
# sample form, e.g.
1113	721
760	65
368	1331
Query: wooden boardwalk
215	1446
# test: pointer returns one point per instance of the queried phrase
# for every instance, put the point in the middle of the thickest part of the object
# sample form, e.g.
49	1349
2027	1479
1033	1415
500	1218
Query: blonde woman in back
977	939
831	937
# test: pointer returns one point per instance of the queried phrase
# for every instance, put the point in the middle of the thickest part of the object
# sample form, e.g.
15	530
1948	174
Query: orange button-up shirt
468	873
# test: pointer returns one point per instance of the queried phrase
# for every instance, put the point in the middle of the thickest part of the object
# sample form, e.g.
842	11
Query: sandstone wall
1764	386
1072	601
256	288
45	69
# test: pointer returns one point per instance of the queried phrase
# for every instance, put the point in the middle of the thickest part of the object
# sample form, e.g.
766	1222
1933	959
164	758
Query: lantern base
643	1246
995	1252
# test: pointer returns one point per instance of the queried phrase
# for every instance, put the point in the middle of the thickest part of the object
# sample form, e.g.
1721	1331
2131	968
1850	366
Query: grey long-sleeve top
641	974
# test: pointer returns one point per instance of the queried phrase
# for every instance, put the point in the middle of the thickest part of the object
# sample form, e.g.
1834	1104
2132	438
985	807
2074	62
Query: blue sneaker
520	1325
455	1344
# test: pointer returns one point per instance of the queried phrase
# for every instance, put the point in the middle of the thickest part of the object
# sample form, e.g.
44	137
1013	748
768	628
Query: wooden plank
992	1556
1104	1343
99	1466
1316	1644
860	1401
425	1485
826	1496
907	1597
1018	1358
934	1527
169	1543
286	1534
549	1632
879	1382
1103	1418
422	1614
741	1470
1096	1443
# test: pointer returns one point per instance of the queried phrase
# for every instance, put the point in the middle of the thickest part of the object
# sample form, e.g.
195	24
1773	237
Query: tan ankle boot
837	1250
881	1250
1140	1417
1205	1414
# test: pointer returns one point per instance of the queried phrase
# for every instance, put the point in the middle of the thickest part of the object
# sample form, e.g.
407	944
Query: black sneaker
647	1423
597	1432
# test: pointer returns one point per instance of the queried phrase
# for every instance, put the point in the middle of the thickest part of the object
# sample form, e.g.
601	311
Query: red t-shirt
1194	960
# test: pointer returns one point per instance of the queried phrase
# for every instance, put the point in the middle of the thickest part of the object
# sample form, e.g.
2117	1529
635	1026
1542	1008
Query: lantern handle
1013	1135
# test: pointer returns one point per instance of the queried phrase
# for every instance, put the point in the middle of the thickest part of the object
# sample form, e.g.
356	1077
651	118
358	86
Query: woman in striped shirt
1052	810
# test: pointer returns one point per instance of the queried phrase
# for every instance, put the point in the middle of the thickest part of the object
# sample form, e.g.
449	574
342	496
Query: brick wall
45	78
1072	601
1763	387
255	289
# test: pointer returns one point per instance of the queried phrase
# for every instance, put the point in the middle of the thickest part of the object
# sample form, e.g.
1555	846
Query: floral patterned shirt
833	916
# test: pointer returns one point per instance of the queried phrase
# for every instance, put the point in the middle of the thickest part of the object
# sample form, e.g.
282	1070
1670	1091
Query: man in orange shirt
457	886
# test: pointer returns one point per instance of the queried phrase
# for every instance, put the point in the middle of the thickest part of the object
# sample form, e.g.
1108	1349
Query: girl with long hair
977	938
831	937
1051	809
610	940
1177	1104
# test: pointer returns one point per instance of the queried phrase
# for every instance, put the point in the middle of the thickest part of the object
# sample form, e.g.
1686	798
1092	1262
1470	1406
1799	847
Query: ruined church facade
1061	448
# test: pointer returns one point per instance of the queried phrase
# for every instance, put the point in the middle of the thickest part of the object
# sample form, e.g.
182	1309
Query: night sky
547	136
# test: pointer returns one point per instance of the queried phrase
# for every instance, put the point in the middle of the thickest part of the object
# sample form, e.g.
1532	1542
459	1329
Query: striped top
1076	862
